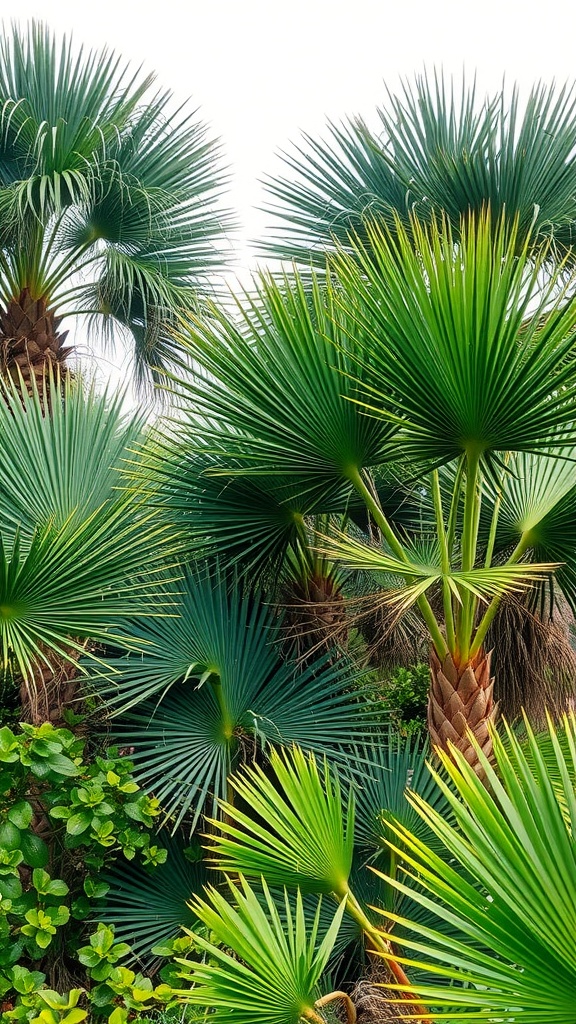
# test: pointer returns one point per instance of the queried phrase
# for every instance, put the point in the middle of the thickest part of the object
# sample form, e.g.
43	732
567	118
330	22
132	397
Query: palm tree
487	890
440	150
109	204
80	553
450	362
443	148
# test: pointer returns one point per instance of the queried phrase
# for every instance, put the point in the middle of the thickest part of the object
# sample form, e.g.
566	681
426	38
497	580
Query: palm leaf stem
344	998
28	258
380	943
495	516
8	280
466	610
227	720
453	514
381	521
310	1014
490	613
445	556
303	543
50	241
375	510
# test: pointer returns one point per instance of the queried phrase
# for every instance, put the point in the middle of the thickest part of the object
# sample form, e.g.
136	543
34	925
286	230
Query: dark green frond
442	149
148	907
68	464
212	682
251	521
281	382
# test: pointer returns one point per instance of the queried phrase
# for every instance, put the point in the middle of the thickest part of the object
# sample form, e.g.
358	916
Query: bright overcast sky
261	71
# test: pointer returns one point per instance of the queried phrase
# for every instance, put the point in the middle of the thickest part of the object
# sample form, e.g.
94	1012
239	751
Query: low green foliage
119	994
405	696
63	818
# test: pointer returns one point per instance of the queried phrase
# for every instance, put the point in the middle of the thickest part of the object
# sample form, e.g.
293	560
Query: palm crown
109	200
449	362
440	148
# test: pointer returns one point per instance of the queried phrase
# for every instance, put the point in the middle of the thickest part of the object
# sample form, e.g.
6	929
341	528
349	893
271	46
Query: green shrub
63	818
405	696
119	994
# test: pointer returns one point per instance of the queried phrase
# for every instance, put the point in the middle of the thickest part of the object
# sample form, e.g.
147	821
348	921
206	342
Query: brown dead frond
315	615
370	998
320	616
55	685
533	661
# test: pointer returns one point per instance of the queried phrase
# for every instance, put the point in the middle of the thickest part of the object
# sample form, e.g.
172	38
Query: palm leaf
212	679
441	148
251	521
516	840
333	188
392	769
75	583
539	503
274	974
300	834
288	344
68	464
78	553
486	583
149	907
448	354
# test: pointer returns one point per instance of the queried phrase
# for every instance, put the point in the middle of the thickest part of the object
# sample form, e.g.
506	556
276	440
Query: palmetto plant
79	552
211	685
498	871
109	200
274	976
455	354
298	828
516	841
442	148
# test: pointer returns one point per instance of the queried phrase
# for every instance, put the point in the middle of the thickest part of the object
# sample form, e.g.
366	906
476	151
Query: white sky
263	70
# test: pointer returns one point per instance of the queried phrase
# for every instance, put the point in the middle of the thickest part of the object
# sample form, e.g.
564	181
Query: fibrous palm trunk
316	613
534	660
30	344
461	704
55	688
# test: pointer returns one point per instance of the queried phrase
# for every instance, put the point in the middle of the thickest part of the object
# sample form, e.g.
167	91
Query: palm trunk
29	340
461	704
55	687
316	614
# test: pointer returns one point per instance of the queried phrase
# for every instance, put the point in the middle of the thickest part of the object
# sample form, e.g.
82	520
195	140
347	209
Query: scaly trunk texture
461	700
29	340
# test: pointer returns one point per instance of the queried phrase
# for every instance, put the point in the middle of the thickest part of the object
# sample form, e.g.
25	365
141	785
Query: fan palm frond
213	685
506	837
274	974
